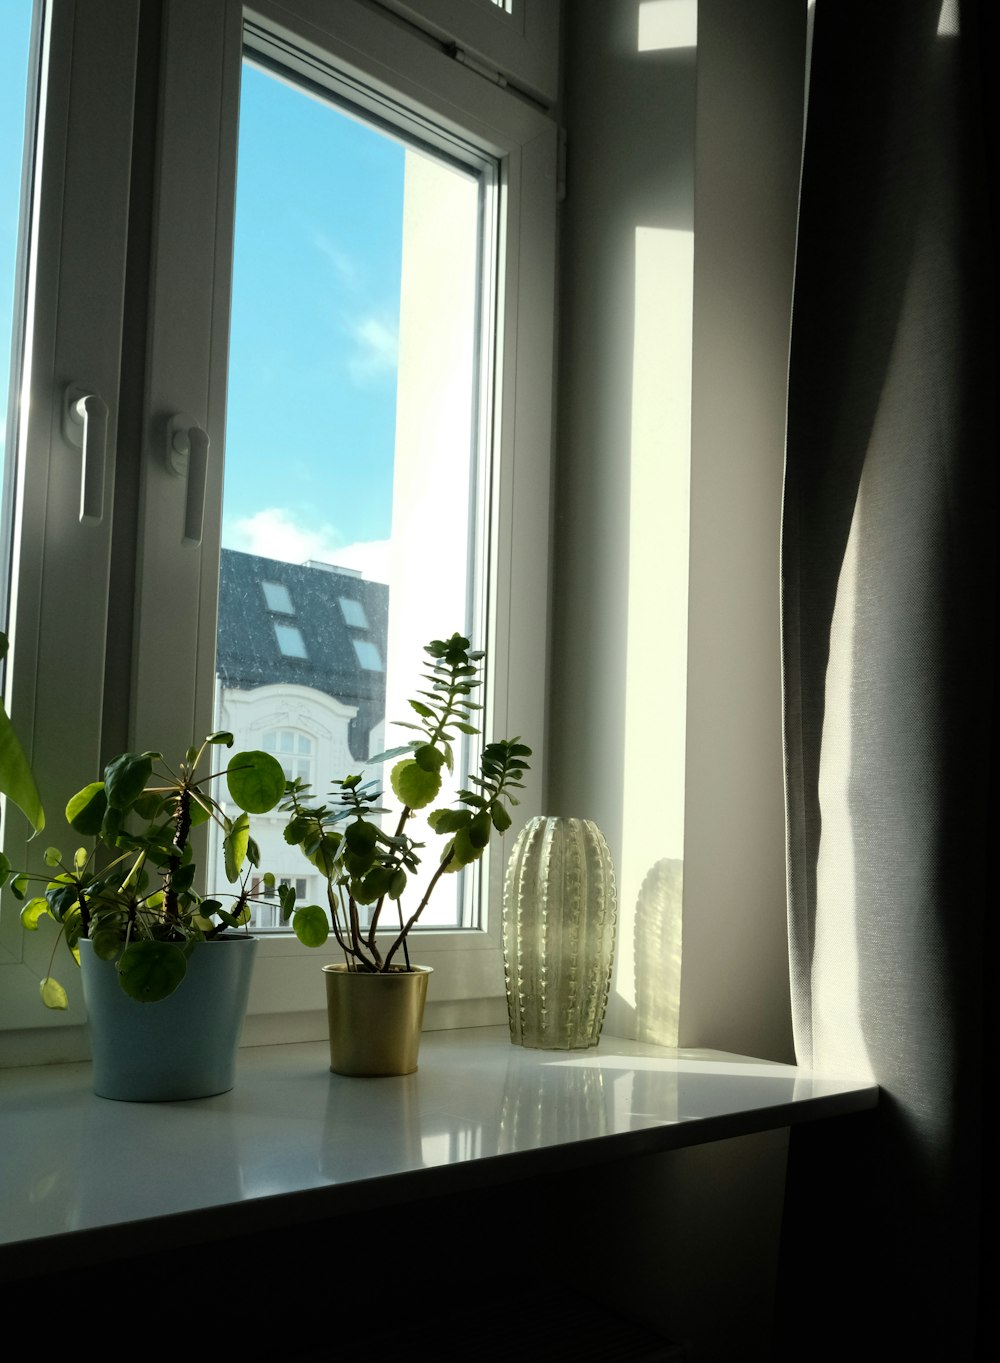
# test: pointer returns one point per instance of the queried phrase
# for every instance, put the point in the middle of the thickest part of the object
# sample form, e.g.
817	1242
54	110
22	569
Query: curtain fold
889	626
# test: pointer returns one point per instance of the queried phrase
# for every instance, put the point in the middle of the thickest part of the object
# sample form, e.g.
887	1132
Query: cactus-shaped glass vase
558	934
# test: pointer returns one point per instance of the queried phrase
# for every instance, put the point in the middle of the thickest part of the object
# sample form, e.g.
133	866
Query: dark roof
337	620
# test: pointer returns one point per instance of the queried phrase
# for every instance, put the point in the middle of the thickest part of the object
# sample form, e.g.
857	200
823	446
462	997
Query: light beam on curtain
889	623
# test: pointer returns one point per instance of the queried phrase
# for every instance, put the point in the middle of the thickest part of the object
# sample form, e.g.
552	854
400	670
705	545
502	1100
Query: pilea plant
133	893
368	868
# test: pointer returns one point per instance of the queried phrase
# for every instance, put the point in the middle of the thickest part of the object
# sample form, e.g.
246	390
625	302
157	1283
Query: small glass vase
559	916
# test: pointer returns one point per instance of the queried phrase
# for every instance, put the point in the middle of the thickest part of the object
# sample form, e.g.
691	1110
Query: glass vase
559	916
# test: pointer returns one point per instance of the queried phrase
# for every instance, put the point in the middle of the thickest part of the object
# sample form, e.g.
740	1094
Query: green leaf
428	757
150	971
33	912
106	942
148	805
16	779
501	819
311	925
256	781
465	850
183	878
413	785
465	728
53	994
235	845
85	811
361	837
479	830
424	710
201	810
125	779
391	752
449	820
52	856
221	736
398	883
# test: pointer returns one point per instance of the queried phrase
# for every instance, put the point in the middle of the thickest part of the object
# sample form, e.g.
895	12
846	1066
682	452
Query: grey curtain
889	634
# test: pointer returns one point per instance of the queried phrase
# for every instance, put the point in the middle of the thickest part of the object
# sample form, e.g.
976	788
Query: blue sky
312	373
15	30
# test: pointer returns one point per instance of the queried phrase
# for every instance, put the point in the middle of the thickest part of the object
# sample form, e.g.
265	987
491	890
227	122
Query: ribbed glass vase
558	934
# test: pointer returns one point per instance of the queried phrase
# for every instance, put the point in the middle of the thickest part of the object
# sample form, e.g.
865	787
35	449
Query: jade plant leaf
414	785
150	971
256	781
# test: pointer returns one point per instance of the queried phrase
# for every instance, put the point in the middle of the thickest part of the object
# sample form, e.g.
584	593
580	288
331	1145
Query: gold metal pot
375	1020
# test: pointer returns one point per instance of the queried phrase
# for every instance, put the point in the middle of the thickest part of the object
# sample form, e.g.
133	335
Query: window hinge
561	166
489	73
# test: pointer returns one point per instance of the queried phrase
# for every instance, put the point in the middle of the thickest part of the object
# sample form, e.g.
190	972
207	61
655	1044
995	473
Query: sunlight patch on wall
656	665
666	24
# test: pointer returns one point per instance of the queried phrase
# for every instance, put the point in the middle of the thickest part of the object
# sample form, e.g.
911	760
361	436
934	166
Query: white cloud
344	266
273	533
377	352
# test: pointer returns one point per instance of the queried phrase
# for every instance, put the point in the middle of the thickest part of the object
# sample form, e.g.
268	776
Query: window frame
190	274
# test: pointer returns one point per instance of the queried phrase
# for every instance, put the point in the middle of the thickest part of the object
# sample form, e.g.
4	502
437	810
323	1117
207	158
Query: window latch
187	455
85	427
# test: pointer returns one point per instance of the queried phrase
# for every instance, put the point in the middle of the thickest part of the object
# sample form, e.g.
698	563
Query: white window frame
60	565
186	373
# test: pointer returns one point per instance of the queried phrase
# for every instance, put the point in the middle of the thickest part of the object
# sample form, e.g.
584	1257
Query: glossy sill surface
292	1141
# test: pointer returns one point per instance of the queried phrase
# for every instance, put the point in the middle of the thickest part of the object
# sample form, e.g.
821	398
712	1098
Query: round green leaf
413	785
256	781
53	994
311	925
33	912
85	811
150	971
106	943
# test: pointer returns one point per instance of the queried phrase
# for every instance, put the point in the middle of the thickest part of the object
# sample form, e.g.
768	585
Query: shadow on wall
657	954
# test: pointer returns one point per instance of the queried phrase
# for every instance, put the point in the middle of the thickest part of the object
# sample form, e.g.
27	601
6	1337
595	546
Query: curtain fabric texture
889	630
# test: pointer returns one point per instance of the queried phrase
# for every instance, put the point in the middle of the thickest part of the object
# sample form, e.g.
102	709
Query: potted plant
166	970
375	998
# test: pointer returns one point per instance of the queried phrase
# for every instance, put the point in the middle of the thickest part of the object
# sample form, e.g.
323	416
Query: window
277	598
290	641
139	582
353	613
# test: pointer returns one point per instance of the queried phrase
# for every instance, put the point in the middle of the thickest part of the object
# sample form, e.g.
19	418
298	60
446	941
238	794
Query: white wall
682	185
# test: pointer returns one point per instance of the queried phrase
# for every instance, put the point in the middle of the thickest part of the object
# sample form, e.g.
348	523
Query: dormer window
353	613
290	641
277	597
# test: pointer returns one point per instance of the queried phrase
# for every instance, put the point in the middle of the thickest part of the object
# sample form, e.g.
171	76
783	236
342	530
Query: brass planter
375	1020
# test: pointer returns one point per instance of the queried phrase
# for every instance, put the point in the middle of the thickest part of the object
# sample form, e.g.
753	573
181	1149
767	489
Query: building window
290	641
293	749
277	597
367	655
353	612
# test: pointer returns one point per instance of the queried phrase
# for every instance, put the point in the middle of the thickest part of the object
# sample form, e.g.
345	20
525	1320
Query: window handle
85	427
187	453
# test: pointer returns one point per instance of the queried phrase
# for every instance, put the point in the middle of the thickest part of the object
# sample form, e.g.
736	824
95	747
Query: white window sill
292	1142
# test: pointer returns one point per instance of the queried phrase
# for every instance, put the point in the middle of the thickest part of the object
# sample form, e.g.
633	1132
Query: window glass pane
352	448
353	613
15	41
277	598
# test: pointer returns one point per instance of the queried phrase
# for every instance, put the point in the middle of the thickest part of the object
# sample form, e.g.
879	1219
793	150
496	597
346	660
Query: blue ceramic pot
182	1047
